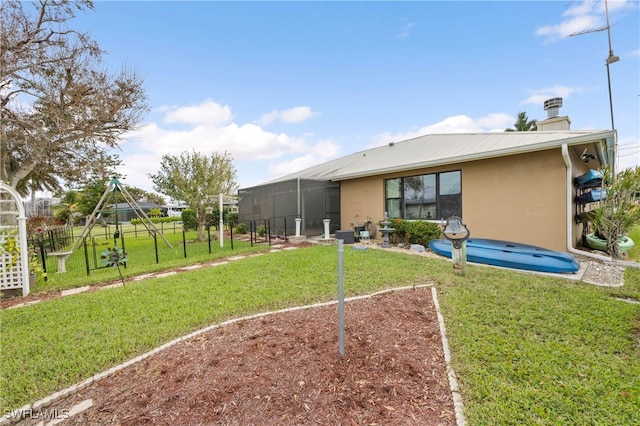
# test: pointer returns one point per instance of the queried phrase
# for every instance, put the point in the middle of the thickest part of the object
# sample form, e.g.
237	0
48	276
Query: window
433	196
394	197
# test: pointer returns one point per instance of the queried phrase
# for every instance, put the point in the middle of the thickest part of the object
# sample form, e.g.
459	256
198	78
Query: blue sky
283	86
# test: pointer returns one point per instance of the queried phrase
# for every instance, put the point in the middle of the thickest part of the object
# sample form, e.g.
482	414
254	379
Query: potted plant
35	268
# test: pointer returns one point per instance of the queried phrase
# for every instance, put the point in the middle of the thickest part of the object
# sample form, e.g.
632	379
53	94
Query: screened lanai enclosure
280	203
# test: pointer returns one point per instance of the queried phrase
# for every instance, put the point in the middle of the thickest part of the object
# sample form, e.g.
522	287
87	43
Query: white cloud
568	27
405	30
208	112
635	52
538	96
582	16
209	127
243	141
293	115
319	153
495	122
137	167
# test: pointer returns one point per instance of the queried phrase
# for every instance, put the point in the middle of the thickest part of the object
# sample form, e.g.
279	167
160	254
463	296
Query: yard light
209	211
458	233
116	234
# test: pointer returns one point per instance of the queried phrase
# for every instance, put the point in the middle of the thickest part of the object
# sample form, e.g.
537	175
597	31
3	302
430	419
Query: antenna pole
612	58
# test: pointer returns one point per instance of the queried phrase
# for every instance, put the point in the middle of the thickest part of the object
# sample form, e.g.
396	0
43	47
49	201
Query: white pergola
12	216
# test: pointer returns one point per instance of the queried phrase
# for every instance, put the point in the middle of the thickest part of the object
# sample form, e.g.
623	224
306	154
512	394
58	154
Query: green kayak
624	243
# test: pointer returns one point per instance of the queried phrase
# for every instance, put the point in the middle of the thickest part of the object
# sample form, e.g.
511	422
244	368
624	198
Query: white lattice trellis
14	273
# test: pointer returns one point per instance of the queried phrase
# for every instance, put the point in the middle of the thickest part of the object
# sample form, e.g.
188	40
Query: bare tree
61	109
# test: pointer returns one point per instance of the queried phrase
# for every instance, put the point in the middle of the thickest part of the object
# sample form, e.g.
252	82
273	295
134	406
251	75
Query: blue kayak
509	254
590	179
591	196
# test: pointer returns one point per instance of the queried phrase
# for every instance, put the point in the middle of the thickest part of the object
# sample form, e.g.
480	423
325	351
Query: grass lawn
526	348
141	256
634	252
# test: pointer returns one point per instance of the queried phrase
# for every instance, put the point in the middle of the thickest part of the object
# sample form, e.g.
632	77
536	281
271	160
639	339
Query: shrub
241	228
421	232
414	232
137	221
155	212
231	217
42	222
399	236
189	219
618	213
261	230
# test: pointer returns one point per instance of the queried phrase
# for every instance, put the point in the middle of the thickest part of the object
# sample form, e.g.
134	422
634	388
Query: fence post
122	243
155	245
184	242
43	257
86	254
285	227
52	241
267	226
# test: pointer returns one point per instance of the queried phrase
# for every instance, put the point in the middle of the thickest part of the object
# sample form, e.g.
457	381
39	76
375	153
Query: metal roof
441	149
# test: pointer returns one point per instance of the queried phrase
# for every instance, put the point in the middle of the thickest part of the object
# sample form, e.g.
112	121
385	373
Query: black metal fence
275	229
52	248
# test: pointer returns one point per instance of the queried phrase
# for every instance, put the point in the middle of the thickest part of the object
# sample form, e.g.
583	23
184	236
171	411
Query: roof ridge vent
552	106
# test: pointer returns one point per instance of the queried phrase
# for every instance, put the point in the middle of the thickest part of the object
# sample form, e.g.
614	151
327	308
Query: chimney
554	121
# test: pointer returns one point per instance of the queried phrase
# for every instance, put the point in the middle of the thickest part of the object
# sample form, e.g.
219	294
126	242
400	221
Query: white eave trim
556	143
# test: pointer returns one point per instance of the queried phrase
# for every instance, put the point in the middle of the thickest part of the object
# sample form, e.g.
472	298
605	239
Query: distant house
175	209
515	186
125	212
41	206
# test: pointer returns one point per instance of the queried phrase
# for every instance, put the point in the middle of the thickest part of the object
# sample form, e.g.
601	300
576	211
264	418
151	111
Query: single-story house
126	212
515	186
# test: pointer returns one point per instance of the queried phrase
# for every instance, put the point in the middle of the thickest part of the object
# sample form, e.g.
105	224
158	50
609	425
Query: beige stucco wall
518	198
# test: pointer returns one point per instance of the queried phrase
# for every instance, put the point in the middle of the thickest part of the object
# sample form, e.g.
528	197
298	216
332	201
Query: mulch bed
285	368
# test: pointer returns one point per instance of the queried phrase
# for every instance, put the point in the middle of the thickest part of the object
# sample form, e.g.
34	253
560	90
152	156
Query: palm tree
67	209
523	124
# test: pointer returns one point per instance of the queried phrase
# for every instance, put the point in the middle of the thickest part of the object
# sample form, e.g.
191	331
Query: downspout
299	205
569	197
611	154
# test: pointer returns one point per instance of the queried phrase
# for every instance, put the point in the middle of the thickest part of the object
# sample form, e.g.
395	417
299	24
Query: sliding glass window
426	197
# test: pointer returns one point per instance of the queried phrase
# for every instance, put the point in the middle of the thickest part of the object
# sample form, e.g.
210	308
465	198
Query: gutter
570	248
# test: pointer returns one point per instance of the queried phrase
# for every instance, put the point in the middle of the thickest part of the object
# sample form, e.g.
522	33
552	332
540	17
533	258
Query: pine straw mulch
285	368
